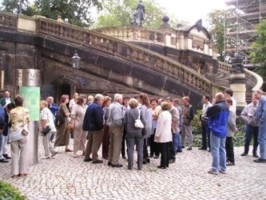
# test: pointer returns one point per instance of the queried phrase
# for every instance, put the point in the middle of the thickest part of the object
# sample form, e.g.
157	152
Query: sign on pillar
29	88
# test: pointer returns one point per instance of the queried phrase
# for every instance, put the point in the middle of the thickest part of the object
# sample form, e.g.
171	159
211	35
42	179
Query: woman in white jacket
163	134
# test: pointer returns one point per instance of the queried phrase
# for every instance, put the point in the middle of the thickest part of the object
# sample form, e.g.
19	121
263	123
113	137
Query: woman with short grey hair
134	135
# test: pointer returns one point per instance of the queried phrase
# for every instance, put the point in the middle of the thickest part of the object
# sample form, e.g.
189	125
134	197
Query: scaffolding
240	26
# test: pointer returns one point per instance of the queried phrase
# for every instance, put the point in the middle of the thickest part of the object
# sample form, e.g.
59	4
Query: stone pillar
238	82
29	87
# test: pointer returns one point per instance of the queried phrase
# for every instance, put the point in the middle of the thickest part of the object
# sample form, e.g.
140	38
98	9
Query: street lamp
75	60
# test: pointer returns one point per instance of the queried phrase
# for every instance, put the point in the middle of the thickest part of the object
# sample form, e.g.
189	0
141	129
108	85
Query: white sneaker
211	171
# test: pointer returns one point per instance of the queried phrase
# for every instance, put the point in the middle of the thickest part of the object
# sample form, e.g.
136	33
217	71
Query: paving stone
65	177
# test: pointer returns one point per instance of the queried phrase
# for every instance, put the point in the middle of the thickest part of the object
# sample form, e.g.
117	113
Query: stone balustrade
80	37
113	46
8	21
168	37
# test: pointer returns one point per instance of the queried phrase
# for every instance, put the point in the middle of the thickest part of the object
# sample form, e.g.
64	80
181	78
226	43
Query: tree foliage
258	53
216	21
118	13
79	12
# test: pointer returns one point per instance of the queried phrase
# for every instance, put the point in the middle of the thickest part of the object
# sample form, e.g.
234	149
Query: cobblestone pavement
65	177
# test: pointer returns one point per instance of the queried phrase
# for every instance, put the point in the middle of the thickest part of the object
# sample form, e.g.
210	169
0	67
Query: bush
8	192
196	126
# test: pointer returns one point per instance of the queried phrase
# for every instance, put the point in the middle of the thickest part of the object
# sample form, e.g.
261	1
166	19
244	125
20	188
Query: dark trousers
251	132
205	133
165	152
172	150
145	149
105	144
131	141
229	146
154	149
123	149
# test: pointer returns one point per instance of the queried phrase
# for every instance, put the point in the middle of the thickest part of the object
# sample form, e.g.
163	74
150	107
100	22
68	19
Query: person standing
51	105
19	118
205	132
2	126
105	145
133	134
177	140
125	108
163	135
77	118
6	131
261	118
228	93
153	146
93	123
144	102
6	99
248	116
217	121
115	123
175	131
231	129
73	101
47	119
63	135
187	116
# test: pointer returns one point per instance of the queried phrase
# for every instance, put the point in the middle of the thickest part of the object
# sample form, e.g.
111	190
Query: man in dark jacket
217	121
93	123
2	125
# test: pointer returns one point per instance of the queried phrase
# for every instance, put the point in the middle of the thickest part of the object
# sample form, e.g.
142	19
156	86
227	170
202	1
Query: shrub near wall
196	126
8	192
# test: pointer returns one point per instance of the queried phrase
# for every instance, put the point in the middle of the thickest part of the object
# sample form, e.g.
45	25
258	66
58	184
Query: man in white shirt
228	93
204	123
73	101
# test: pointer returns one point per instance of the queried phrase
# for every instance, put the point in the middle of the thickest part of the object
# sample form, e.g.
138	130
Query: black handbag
46	130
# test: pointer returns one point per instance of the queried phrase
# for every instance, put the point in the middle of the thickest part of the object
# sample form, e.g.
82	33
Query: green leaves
118	13
258	49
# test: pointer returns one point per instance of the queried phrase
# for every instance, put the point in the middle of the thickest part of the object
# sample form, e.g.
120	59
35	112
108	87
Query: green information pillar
29	87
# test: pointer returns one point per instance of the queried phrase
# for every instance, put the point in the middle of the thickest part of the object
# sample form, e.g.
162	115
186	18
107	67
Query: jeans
251	132
262	140
218	153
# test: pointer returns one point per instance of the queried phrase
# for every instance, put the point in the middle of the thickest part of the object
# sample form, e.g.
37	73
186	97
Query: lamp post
75	60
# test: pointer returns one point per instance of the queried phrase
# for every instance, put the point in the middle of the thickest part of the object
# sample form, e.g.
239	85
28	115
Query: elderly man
6	99
248	116
115	123
261	118
93	123
187	117
218	116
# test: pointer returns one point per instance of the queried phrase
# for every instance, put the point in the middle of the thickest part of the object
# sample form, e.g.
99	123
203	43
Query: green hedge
8	192
196	125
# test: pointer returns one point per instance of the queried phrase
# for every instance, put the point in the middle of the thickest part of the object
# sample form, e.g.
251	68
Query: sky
191	10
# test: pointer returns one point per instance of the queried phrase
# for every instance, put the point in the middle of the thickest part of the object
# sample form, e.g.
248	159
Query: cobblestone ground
65	177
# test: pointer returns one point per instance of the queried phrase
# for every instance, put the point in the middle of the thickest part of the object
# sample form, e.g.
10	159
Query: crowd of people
154	128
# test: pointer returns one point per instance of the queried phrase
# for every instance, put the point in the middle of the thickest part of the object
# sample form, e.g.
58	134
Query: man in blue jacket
217	121
93	123
261	118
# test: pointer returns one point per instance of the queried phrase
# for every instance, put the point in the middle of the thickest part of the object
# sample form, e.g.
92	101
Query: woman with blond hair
19	118
163	134
63	134
77	117
133	134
